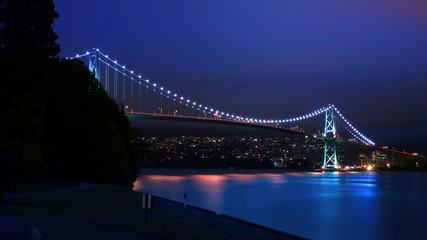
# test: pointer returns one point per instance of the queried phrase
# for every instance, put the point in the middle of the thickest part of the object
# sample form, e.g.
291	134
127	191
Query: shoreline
234	219
243	170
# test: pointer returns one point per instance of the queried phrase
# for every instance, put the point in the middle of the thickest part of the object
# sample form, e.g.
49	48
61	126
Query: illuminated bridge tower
94	63
330	156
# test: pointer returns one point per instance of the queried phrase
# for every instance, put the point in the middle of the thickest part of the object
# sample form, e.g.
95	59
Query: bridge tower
330	155
94	63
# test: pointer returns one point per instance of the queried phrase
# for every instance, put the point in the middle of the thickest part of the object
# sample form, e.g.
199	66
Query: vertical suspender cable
131	95
115	81
139	97
124	88
106	77
154	100
146	101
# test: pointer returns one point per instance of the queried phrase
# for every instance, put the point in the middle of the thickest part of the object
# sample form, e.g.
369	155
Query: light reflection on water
315	205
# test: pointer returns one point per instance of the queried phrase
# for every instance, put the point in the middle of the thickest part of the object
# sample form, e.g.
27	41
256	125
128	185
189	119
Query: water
356	205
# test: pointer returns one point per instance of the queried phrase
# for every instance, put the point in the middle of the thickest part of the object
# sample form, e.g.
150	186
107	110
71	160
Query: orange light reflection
213	184
241	177
163	178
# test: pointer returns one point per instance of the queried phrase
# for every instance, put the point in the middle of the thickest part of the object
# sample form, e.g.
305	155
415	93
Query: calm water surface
387	205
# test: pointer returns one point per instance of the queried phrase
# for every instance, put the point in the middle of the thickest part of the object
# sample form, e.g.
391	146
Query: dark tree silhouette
86	135
55	119
27	45
27	24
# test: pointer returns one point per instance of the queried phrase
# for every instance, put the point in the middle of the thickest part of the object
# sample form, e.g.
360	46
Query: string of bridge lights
354	131
189	103
355	136
183	100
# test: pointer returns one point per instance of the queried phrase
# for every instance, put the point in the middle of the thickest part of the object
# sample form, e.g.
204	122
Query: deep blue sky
271	58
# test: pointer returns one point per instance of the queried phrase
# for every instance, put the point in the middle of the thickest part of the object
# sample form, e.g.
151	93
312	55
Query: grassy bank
106	205
42	186
103	201
171	228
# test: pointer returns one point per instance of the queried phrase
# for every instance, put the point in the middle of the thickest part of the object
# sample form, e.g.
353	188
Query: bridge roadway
248	124
228	122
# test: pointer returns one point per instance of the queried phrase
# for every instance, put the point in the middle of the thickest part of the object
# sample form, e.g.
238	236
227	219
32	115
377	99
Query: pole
146	222
10	196
146	205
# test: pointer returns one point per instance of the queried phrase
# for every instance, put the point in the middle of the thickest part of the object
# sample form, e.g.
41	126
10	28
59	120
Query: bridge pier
330	153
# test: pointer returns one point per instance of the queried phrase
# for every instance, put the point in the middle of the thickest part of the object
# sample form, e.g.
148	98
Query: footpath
164	212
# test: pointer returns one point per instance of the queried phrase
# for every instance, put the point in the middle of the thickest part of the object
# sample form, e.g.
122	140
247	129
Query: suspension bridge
143	98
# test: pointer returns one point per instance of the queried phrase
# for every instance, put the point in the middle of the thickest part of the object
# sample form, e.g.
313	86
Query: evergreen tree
86	135
27	43
54	115
27	25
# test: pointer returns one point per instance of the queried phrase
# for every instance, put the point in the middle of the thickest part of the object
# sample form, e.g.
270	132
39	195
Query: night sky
271	59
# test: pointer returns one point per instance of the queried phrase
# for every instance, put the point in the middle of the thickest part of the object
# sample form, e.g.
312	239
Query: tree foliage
55	118
27	43
27	25
86	135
